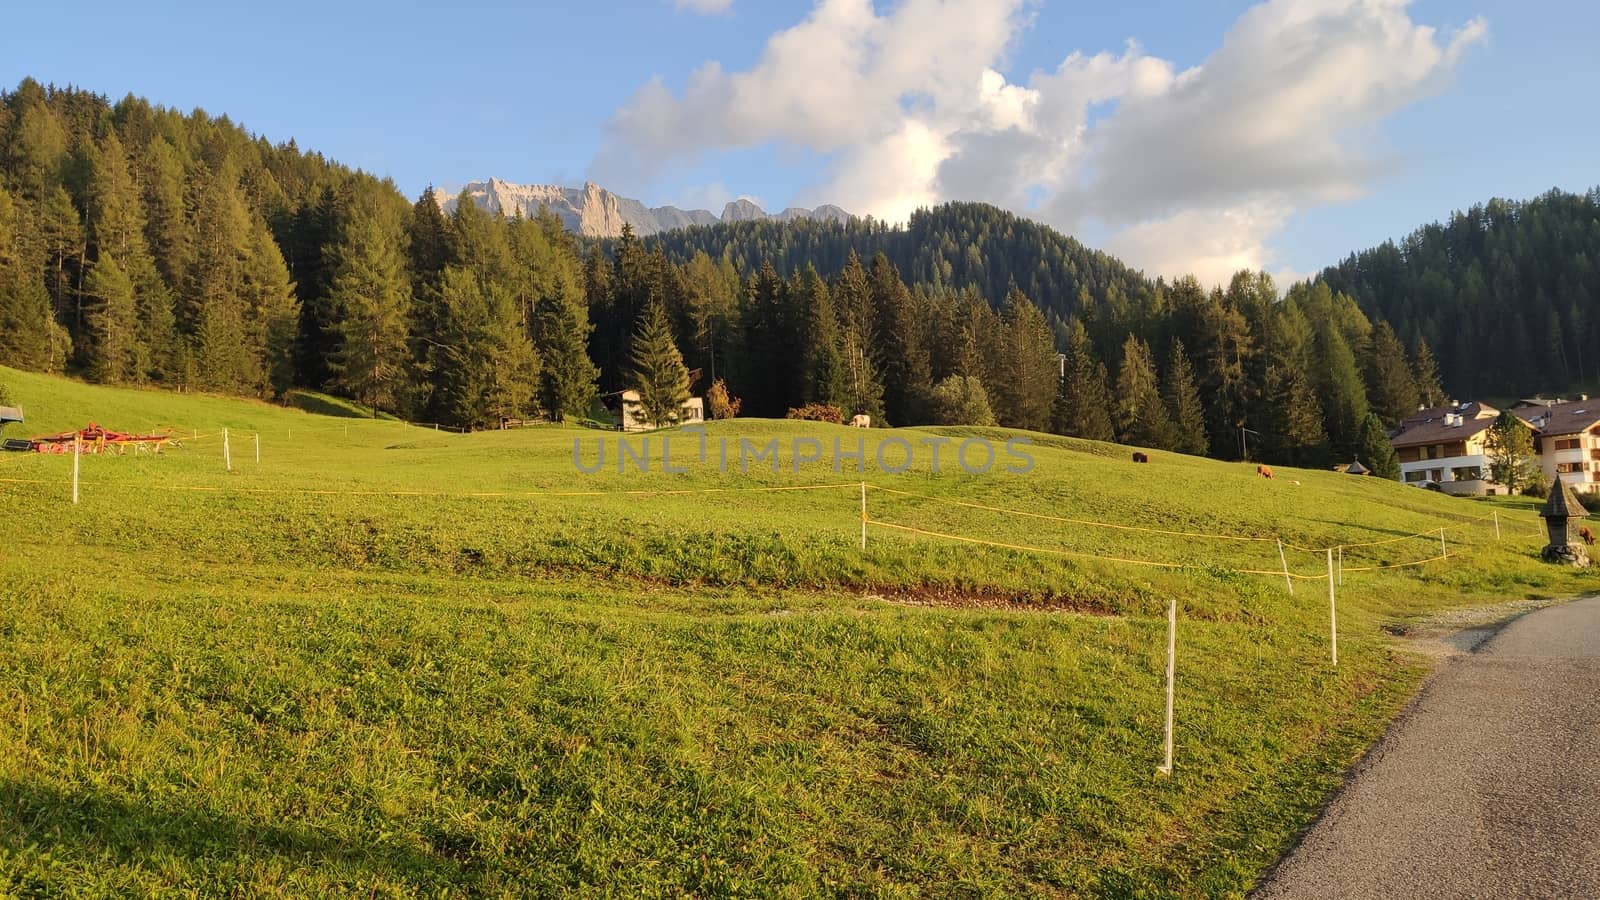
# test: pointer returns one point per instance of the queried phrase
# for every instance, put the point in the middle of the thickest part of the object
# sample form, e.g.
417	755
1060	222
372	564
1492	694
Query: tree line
143	245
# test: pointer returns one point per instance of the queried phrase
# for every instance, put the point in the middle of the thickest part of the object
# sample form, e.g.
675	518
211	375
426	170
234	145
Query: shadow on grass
96	827
322	405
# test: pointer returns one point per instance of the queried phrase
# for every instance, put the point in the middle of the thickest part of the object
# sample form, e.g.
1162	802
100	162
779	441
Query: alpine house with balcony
1444	447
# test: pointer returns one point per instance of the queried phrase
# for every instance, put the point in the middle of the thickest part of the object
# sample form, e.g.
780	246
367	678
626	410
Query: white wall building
1444	446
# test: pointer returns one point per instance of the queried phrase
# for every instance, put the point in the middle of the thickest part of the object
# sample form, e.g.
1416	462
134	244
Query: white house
1444	446
632	412
1567	438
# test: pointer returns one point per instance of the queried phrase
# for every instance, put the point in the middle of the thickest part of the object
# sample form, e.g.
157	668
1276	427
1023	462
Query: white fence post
1442	551
1333	614
258	448
1287	580
227	452
77	451
1172	671
863	515
1497	524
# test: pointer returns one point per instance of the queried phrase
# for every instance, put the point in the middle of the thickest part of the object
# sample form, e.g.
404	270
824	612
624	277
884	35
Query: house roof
1563	503
1433	426
1356	468
1571	417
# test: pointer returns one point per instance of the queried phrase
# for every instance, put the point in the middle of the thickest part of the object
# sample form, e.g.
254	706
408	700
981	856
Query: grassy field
390	661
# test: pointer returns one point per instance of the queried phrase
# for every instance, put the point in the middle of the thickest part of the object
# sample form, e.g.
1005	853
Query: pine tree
483	362
372	295
658	370
1425	370
567	380
1343	396
1294	435
852	297
904	361
1141	416
1183	401
272	314
1389	380
1083	404
29	334
826	380
1377	454
114	322
1029	370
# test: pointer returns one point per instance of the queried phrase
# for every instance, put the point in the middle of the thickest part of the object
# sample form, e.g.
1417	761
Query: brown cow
1587	535
1264	472
1140	457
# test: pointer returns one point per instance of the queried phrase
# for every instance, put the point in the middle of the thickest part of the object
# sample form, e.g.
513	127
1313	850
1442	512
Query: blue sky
1498	100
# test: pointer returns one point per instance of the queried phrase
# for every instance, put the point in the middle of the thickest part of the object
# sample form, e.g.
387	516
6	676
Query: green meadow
391	661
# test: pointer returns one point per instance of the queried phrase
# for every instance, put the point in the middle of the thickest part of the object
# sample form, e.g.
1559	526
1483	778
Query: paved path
1487	786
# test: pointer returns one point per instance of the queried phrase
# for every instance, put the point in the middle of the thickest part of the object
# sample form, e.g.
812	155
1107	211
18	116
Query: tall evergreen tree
1377	454
1083	402
904	360
1141	416
372	293
658	371
1294	435
1183	401
1389	382
114	322
1029	371
568	378
1344	397
826	379
1425	369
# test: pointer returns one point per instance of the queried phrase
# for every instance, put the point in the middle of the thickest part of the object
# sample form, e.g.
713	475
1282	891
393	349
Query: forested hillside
141	245
955	245
1506	293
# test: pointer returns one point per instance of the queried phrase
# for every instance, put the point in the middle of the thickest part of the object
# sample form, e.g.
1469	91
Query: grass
222	682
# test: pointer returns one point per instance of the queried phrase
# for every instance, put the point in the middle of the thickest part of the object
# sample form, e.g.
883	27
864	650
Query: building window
1467	473
1416	477
1568	444
1568	468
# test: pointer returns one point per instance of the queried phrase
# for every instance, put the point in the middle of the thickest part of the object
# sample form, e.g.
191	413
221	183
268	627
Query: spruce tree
1294	435
371	293
658	371
1377	454
1083	403
905	366
1425	370
1141	416
567	379
28	331
961	400
113	314
1340	389
1389	381
826	379
1183	402
1025	390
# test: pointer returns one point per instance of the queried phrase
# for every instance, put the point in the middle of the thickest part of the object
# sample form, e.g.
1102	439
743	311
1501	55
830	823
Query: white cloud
704	7
1190	171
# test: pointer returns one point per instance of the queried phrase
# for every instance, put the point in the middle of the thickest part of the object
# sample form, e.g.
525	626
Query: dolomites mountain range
594	211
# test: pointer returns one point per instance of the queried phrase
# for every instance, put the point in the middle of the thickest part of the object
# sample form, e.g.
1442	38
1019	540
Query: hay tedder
94	439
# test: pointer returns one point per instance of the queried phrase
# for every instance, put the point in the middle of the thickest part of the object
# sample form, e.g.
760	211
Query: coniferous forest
142	245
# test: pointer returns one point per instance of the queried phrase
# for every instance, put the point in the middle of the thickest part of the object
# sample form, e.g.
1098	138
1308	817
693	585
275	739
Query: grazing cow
1264	472
859	421
1140	457
1587	535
